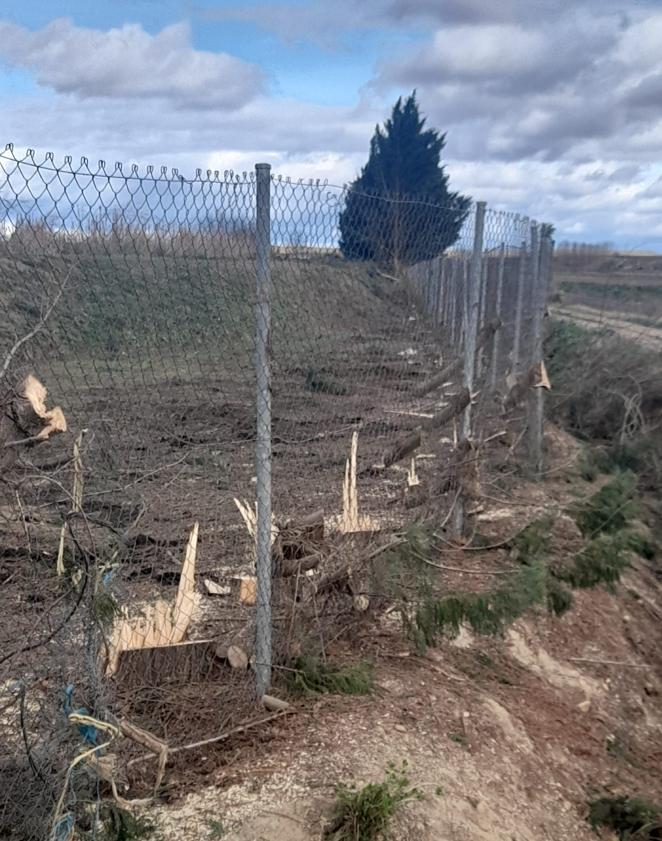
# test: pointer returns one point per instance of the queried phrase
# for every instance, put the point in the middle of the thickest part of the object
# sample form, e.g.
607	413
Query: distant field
612	289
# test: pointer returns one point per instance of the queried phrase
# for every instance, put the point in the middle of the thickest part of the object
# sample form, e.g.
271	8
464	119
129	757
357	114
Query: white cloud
556	117
128	62
298	139
469	52
539	89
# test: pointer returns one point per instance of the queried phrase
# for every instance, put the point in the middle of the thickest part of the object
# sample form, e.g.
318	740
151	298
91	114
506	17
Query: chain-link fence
214	390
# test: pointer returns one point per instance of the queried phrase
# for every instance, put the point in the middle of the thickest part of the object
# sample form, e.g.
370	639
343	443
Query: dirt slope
518	732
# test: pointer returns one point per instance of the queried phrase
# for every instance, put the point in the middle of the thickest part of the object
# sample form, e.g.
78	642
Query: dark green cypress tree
399	210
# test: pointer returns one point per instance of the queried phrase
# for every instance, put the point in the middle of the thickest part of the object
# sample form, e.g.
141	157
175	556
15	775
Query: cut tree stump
187	662
298	539
351	521
163	623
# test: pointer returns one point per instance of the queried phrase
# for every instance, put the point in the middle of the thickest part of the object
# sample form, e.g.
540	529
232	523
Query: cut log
299	565
215	589
274	704
299	538
237	657
248	590
239	648
455	366
408	444
333	579
457	404
402	448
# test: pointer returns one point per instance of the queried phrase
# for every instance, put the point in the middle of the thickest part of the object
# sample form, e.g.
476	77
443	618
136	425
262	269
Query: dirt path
595	319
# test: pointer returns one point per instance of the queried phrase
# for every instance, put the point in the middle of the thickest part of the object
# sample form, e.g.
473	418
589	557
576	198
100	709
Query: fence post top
263	166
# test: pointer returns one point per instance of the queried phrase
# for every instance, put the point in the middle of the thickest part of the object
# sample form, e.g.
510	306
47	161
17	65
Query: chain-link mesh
143	303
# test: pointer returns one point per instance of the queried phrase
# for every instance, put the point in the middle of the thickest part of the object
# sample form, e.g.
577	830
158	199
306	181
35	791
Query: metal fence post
482	309
437	290
535	402
263	631
439	306
521	276
496	340
471	299
452	302
473	302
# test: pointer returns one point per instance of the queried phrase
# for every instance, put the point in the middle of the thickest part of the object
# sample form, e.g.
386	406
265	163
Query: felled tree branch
453	367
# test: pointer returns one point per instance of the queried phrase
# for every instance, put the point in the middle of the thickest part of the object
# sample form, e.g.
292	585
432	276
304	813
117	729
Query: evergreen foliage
400	210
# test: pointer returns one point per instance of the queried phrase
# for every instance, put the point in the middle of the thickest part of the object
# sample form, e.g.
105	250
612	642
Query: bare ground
519	733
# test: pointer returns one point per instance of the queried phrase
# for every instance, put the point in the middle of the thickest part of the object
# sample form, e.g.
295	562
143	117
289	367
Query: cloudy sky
552	108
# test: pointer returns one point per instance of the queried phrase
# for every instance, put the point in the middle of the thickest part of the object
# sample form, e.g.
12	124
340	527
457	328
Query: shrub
611	509
601	561
630	817
320	382
364	814
641	546
587	466
311	676
486	613
559	598
608	391
533	542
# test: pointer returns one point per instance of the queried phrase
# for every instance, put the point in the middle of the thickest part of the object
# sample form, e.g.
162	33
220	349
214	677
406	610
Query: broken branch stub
25	420
351	521
518	387
35	393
